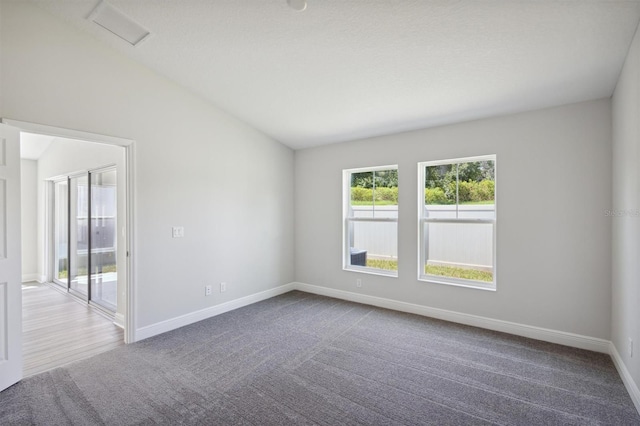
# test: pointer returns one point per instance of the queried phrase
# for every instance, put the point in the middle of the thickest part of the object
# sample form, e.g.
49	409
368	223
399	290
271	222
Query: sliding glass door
104	274
61	232
84	236
79	234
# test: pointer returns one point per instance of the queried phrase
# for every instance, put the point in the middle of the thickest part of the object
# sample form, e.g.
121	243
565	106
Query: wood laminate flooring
58	329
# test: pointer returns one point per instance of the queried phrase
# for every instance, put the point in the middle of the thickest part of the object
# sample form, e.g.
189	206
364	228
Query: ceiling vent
116	22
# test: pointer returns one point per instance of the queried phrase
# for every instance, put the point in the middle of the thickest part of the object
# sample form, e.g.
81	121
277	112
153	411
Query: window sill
476	285
371	271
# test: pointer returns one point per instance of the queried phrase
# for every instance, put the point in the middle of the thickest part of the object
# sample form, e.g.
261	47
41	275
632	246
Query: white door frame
129	147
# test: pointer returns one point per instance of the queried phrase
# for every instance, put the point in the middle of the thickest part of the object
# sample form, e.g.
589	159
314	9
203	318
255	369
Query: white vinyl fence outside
467	245
379	239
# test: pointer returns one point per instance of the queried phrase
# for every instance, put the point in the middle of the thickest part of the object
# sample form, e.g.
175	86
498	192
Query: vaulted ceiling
348	69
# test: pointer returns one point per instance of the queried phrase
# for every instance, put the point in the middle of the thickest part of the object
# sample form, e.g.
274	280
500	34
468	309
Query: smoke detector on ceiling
116	22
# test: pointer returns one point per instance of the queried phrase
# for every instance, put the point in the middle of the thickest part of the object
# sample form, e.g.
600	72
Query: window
457	222
371	220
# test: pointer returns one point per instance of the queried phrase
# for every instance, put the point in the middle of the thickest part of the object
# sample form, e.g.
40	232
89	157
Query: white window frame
423	219
348	218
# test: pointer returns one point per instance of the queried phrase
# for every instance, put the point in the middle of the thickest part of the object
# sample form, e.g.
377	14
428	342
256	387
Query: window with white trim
371	220
457	222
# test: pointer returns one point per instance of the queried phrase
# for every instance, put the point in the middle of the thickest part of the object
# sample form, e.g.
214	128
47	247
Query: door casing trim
129	146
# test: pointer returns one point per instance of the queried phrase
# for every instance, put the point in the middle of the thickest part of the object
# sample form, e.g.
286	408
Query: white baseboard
628	381
538	333
190	318
119	320
30	277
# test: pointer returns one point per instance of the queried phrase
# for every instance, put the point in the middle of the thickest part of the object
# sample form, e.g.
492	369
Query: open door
10	262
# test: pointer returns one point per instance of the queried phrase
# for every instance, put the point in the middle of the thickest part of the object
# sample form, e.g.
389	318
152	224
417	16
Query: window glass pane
476	190
104	276
386	187
464	190
373	192
79	223
61	220
362	194
440	191
373	244
459	250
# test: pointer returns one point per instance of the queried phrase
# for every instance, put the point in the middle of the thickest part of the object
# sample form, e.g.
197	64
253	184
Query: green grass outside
388	265
442	271
83	271
453	272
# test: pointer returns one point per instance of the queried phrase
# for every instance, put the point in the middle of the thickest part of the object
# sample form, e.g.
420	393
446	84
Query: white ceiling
32	146
347	69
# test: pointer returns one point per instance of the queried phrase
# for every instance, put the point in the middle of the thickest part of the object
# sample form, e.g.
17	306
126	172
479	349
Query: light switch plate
177	231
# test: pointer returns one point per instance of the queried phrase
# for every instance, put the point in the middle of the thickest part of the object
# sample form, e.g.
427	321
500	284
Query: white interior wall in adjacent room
553	239
28	206
66	156
228	185
626	221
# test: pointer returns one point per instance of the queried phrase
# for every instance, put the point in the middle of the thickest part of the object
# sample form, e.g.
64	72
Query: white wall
198	167
553	264
626	203
230	186
28	206
65	156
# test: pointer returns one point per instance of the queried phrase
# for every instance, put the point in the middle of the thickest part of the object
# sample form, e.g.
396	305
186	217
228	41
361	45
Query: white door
10	263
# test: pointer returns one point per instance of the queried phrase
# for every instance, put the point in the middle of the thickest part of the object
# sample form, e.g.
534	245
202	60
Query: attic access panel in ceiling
116	22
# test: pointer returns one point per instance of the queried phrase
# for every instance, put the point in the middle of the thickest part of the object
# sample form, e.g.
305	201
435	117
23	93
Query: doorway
15	321
109	284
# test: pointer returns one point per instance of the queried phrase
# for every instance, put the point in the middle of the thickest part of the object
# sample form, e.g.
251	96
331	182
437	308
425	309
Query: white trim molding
538	333
129	152
66	133
629	383
40	279
190	318
30	277
118	320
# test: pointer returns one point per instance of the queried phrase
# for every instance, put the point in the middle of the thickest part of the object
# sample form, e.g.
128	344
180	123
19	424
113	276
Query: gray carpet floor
305	359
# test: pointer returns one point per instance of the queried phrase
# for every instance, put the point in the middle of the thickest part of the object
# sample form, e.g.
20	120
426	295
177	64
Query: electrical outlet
223	287
630	347
358	283
207	290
